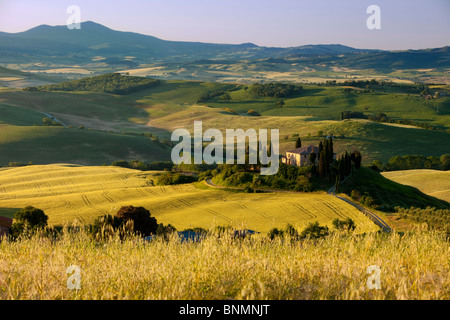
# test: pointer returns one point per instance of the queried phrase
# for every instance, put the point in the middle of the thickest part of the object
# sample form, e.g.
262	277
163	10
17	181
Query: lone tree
36	218
32	217
143	222
298	143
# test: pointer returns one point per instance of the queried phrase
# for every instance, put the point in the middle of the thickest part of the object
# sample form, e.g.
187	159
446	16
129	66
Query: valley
94	203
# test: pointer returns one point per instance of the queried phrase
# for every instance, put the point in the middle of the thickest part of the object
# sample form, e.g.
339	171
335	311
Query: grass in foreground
413	266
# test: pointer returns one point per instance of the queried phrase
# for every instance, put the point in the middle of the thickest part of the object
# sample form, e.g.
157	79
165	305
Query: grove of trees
107	83
275	89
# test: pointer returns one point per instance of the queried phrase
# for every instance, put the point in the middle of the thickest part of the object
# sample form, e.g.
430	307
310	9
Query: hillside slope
432	182
68	192
42	145
388	194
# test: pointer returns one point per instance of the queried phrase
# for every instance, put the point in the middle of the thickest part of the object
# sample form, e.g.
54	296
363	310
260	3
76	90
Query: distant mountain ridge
58	44
96	39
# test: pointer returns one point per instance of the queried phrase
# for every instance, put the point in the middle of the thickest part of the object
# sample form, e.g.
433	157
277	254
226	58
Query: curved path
372	216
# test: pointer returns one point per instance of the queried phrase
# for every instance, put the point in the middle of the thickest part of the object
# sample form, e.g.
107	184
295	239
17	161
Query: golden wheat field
67	192
435	183
413	266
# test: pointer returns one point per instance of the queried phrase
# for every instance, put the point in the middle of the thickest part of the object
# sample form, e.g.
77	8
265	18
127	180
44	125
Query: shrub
163	230
314	231
368	201
230	111
252	112
105	226
356	195
344	225
248	189
303	184
143	223
275	232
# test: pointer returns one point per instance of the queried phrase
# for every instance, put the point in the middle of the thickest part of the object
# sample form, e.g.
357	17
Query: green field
42	145
67	192
173	105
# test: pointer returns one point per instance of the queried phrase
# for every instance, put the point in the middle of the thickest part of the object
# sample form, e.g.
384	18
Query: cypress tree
298	143
330	151
326	150
322	164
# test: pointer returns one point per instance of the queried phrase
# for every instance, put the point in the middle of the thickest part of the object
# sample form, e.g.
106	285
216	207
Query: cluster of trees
287	178
140	165
19	164
352	115
365	199
108	83
436	219
355	83
346	162
325	157
275	89
213	94
373	83
313	231
382	117
171	178
334	169
408	162
48	122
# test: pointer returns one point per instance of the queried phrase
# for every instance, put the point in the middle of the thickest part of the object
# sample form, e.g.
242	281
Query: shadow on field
8	212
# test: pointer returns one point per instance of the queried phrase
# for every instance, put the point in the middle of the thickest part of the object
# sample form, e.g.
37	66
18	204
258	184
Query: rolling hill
312	113
432	182
389	194
42	145
67	192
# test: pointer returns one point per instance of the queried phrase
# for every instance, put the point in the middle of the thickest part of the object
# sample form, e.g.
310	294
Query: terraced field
68	192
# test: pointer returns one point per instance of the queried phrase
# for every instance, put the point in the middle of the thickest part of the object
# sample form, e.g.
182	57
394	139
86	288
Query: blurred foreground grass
413	266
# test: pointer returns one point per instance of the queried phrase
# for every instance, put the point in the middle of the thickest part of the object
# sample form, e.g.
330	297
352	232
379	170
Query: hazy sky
409	24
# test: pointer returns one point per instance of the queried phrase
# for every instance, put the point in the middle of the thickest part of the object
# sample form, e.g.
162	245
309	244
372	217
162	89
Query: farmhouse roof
305	150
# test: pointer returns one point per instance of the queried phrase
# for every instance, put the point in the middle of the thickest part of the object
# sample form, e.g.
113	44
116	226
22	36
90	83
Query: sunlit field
414	266
435	183
67	193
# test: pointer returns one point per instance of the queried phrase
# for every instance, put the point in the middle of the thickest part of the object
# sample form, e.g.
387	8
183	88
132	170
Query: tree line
408	162
275	89
382	117
113	83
